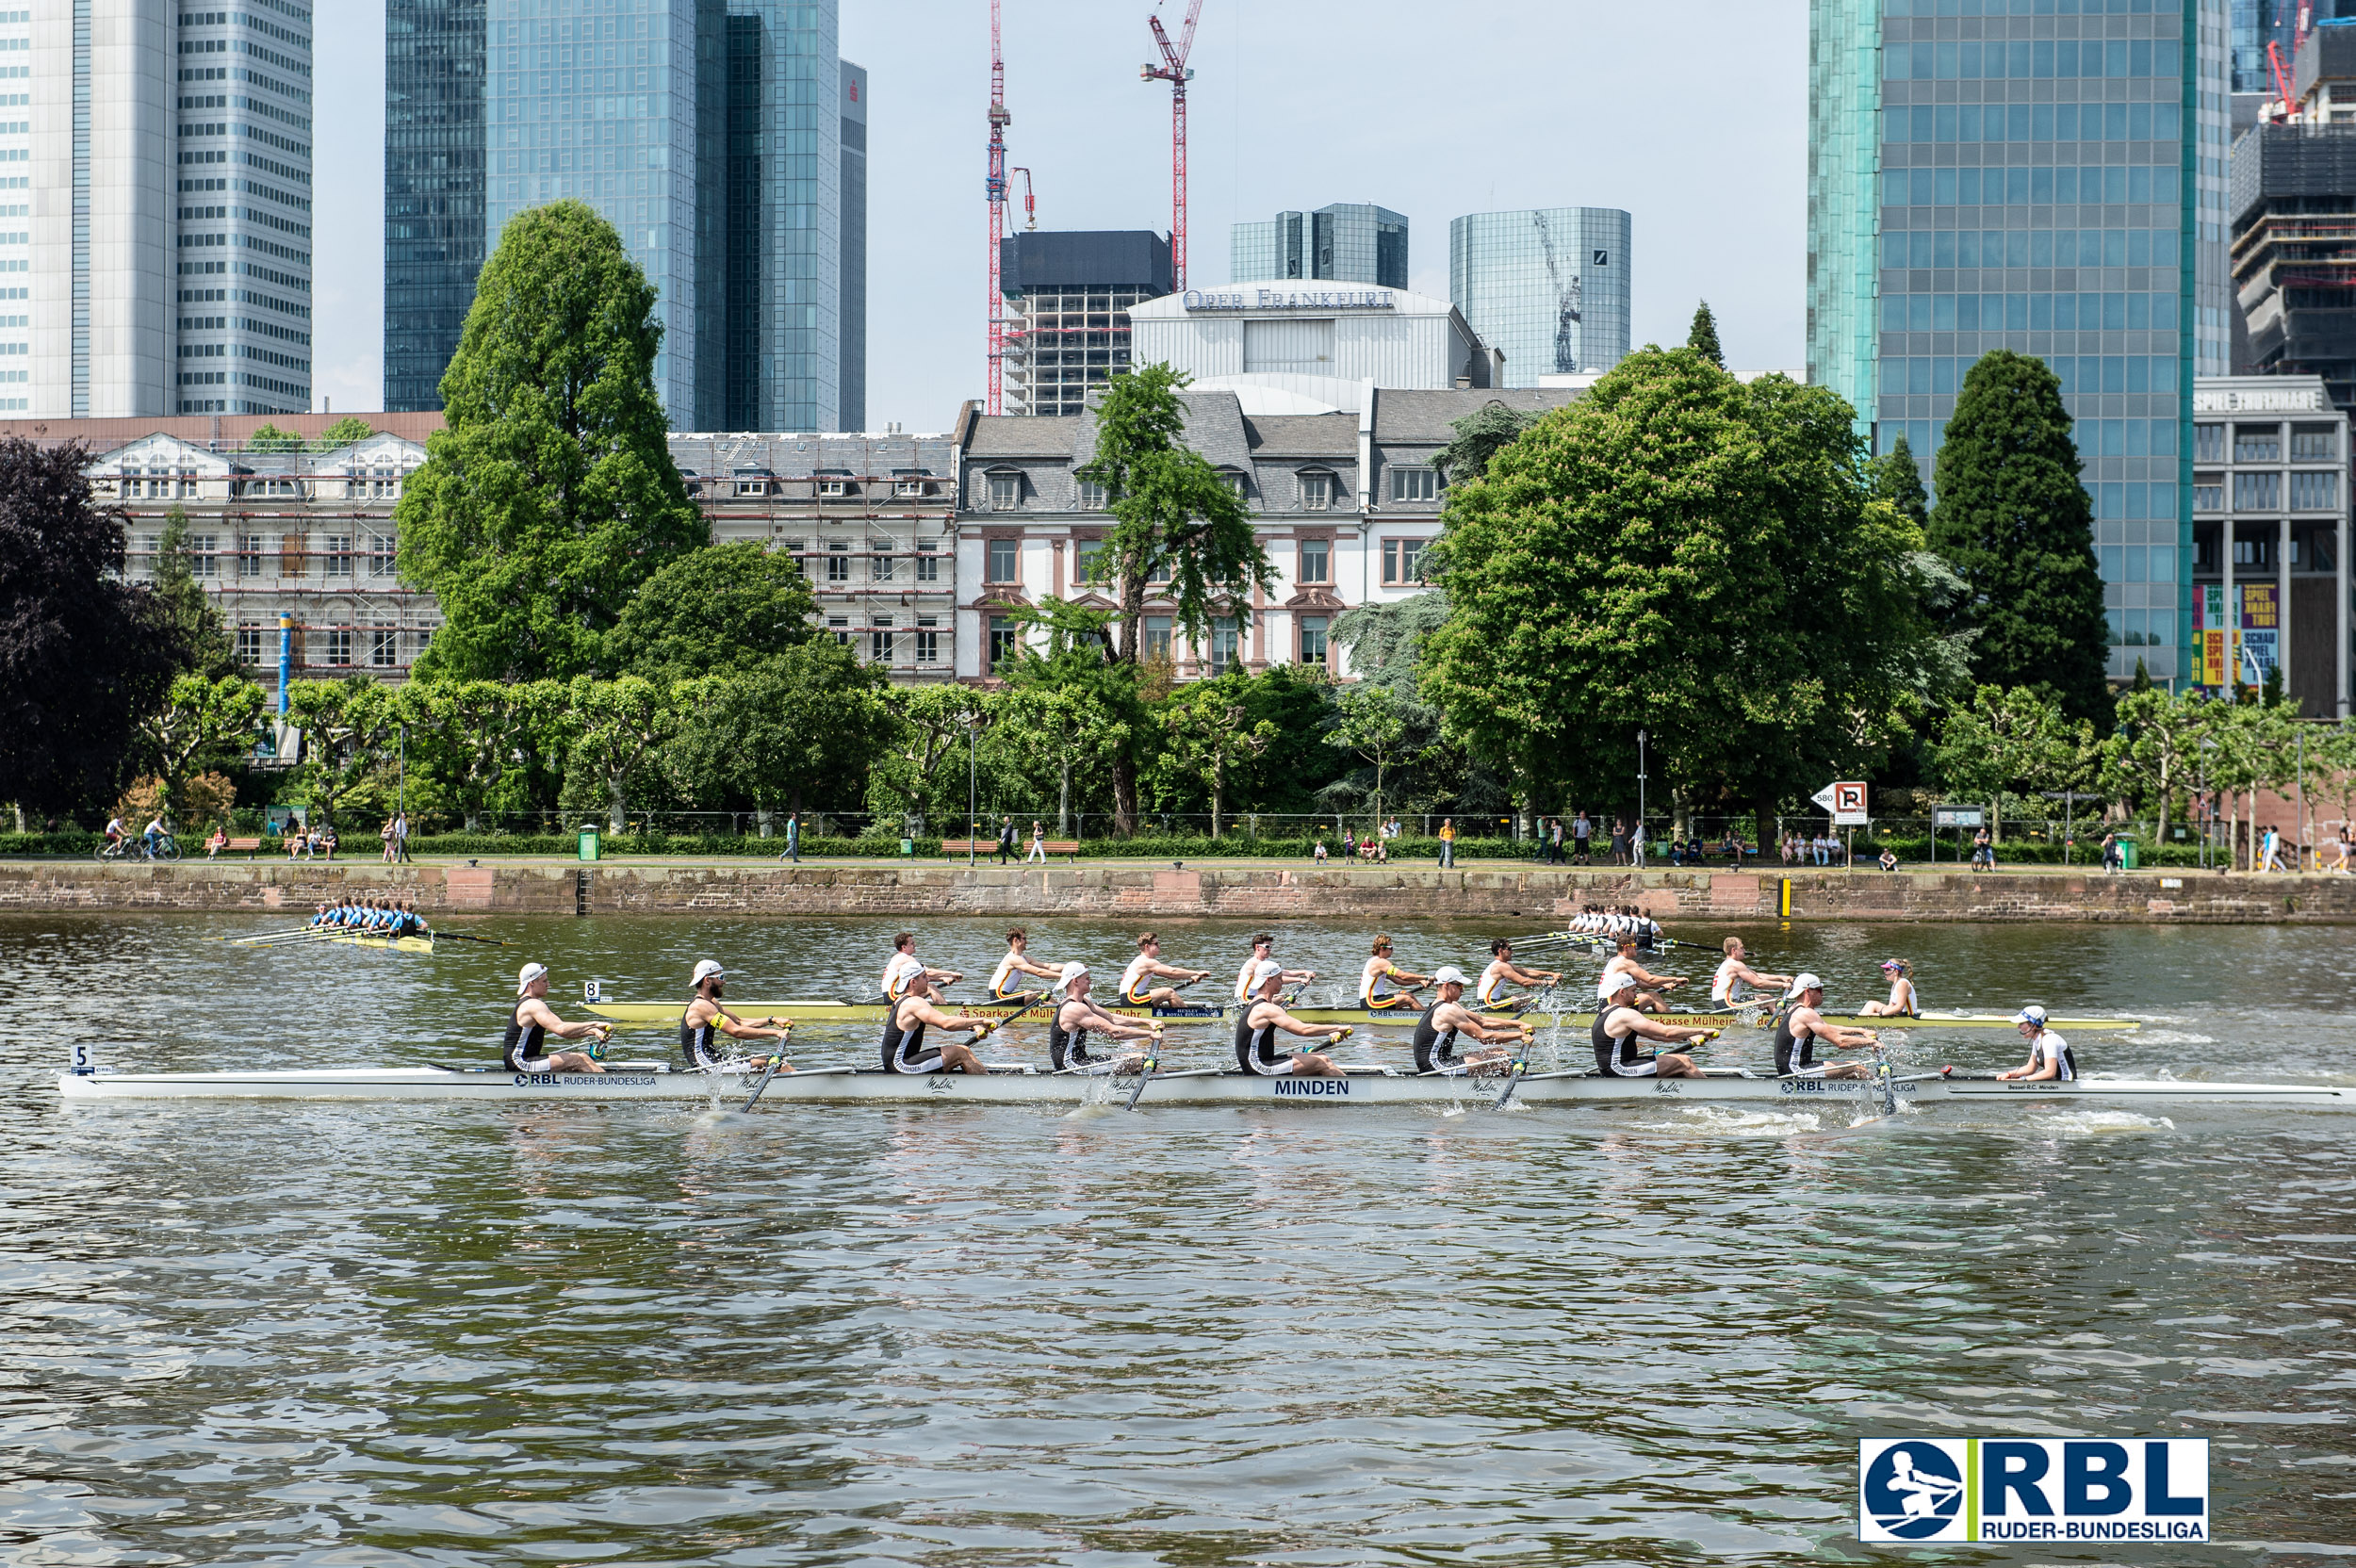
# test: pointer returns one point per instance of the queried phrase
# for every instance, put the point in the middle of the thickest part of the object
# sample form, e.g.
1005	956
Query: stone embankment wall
1145	891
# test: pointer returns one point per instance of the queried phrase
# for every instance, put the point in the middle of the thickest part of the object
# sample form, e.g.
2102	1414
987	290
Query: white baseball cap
1072	971
1804	983
708	970
1263	972
525	976
1618	983
1450	975
2031	1014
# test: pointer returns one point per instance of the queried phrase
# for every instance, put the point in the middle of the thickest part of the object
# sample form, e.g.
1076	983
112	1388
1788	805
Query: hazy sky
1692	117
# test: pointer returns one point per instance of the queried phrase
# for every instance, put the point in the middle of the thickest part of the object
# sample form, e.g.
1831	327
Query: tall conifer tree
1703	337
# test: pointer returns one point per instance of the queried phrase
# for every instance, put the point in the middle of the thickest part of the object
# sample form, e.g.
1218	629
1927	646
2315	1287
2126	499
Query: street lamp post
1636	839
2208	805
972	803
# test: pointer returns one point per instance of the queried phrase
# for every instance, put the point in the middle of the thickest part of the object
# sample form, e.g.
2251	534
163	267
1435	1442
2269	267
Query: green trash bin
590	841
2127	854
907	849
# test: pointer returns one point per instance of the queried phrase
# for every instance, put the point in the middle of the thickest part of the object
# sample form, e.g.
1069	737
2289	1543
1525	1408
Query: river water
424	1334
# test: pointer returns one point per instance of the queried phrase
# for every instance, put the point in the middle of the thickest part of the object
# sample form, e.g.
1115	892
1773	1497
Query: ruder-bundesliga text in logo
1993	1489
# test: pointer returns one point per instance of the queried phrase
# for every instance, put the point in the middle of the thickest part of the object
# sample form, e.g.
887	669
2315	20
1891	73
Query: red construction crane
994	188
2282	80
1030	203
1174	71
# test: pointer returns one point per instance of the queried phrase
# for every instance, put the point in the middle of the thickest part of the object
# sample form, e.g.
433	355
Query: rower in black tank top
1793	1053
1256	1049
1436	1049
525	1050
1069	1049
903	1047
1616	1055
699	1043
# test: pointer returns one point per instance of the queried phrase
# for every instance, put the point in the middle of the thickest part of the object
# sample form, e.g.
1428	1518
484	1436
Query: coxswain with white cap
1799	1026
525	1050
705	1020
1446	1019
894	983
1256	1032
1148	966
905	1023
2050	1056
1501	974
1263	946
1618	1026
1727	987
1623	962
1068	1031
1003	984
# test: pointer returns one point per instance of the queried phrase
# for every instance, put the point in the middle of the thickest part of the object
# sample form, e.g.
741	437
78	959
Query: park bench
1064	847
250	846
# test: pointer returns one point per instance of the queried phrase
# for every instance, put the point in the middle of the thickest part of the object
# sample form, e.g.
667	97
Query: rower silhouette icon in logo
1913	1490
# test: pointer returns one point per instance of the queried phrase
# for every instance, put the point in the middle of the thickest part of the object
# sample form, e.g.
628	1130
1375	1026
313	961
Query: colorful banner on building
2249	648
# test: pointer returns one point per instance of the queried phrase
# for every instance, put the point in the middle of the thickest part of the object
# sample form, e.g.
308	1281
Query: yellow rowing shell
398	944
666	1013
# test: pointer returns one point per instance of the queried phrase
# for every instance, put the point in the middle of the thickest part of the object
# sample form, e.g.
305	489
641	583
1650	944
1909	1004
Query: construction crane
994	188
1567	299
1030	204
1174	71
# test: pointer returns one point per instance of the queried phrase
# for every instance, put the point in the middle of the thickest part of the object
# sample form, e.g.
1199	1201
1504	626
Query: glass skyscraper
708	132
1550	286
2045	176
1348	241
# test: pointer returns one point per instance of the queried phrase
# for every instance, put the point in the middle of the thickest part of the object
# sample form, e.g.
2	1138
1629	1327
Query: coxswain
705	1020
1730	987
903	1047
1265	1019
1623	962
1446	1018
1501	974
1068	1031
1384	987
1902	1003
1619	1024
1800	1025
1146	967
905	963
2050	1056
531	1024
1264	948
417	922
1004	986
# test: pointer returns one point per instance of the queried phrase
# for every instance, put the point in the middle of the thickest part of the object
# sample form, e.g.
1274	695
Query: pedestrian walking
1039	845
384	834
1582	832
794	837
400	838
1619	841
1636	847
1447	842
1554	841
1007	843
2273	860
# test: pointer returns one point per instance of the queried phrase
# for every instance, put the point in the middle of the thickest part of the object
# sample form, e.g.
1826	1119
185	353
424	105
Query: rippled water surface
576	1333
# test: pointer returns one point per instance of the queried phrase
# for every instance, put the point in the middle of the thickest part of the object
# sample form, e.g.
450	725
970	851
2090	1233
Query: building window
1235	486
927	564
1315	562
385	646
2256	492
1415	484
1402	562
880	563
928	639
1224	637
1317	492
1159	571
381	555
2257	443
909	484
838	560
248	644
2208	492
2256	551
1087	554
249	554
752	486
833	487
2315	442
841	626
338	645
1091	496
1004	640
2208	443
1157	638
2316	492
204	549
1006	492
337	551
879	641
1312	639
1004	560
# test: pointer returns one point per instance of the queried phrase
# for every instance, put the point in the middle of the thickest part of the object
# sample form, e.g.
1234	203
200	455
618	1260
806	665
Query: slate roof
1303	434
1408	415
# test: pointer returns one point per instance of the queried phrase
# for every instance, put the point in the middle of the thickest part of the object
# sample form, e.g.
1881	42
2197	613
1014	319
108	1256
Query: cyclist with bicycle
154	834
116	833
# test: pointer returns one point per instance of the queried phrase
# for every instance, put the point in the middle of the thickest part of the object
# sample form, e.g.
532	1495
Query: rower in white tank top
1727	987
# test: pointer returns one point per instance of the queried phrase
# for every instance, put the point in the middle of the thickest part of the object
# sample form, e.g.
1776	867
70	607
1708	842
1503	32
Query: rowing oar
462	937
1146	1069
308	933
1520	1066
775	1058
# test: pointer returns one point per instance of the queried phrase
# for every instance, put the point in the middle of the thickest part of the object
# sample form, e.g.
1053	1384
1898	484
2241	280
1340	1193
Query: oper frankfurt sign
1289	299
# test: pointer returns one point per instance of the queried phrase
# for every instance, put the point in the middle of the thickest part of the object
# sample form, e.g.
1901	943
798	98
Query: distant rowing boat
647	1015
1021	1084
398	944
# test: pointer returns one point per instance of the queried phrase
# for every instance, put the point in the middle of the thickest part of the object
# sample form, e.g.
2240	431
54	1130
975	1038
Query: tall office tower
1548	286
169	269
1349	242
2019	178
1071	293
434	94
854	357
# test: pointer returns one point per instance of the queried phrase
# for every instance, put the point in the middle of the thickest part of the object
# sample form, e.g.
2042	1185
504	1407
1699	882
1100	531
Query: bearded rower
1623	962
1265	1019
1730	987
905	963
1619	1025
1263	949
1799	1026
1136	981
1384	987
1501	974
706	1020
1446	1019
1078	1018
903	1047
1003	984
2050	1056
530	1024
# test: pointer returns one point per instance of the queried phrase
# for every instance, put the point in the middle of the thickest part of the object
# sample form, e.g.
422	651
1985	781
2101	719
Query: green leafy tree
269	438
343	432
2155	750
929	726
1177	523
618	726
2018	527
1372	722
2016	742
1478	437
1681	553
1898	479
800	729
1070	708
204	641
1702	337
1385	642
1210	732
349	728
719	608
549	498
201	726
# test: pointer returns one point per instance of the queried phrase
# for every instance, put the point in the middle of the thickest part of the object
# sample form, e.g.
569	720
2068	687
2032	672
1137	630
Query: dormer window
1091	496
833	487
1317	492
910	484
1006	492
1235	486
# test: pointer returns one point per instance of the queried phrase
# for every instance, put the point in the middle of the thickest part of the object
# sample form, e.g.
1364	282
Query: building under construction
1068	295
2293	206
